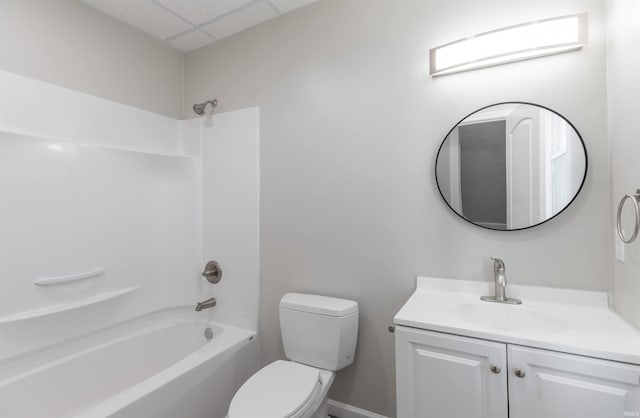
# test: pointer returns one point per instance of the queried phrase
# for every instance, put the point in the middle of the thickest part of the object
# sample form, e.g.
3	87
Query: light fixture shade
513	43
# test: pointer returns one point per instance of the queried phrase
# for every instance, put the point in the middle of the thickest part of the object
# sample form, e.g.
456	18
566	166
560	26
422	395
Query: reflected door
523	168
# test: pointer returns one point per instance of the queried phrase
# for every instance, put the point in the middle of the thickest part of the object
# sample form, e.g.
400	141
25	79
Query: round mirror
511	166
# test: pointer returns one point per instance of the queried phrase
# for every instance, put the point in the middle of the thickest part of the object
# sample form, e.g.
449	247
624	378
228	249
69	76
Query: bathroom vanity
561	353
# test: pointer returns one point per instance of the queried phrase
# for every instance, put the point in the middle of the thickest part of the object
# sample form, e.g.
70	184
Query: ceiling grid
190	24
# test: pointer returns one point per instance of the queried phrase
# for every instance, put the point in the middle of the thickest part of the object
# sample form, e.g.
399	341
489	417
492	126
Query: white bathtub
160	365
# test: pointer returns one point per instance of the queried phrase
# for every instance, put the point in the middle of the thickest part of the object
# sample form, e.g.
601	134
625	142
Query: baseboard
342	410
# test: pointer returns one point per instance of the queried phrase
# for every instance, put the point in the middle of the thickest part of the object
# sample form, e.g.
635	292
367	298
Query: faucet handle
498	264
212	272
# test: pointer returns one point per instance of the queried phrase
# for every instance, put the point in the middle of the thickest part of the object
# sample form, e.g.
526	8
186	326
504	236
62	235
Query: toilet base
323	410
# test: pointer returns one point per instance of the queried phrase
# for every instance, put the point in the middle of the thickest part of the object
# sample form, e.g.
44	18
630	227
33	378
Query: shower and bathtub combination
108	215
156	365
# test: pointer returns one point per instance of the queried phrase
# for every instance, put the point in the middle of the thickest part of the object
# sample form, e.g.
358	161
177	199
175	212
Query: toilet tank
319	331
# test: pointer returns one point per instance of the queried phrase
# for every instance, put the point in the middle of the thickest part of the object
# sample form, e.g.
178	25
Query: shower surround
108	214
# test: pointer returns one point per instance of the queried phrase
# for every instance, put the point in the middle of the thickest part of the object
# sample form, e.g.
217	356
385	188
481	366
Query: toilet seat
283	389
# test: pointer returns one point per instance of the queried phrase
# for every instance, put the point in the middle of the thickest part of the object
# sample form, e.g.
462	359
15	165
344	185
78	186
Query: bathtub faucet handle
212	272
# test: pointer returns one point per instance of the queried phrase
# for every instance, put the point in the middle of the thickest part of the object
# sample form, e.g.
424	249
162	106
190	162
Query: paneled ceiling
191	24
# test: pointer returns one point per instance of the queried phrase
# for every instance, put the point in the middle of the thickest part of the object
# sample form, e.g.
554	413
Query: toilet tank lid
323	305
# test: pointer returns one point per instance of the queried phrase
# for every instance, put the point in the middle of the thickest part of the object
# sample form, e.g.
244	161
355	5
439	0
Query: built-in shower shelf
63	307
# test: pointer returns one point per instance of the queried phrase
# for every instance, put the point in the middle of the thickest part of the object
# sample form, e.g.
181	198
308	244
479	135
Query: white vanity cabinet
558	385
448	376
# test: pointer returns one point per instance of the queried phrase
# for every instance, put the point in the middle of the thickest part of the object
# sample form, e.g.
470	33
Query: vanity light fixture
510	44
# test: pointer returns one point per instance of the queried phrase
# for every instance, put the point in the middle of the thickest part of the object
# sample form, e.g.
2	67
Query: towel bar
635	199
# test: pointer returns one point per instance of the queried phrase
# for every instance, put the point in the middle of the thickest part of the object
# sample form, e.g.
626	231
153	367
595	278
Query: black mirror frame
584	176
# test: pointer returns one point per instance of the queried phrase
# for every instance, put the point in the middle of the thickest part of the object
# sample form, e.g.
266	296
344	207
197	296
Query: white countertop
566	320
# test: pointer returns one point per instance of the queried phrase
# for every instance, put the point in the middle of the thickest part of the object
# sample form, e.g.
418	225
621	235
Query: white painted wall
67	43
623	67
350	124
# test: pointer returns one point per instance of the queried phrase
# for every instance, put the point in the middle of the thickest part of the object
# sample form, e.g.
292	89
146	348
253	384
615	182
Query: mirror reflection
511	166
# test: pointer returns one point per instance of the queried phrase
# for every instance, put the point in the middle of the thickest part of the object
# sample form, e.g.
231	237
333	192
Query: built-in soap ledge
49	281
64	307
64	144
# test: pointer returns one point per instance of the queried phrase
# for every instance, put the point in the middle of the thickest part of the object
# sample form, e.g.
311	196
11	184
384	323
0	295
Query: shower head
200	107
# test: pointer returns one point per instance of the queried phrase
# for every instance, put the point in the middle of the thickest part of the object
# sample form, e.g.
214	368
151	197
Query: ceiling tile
287	5
240	20
201	11
191	40
143	14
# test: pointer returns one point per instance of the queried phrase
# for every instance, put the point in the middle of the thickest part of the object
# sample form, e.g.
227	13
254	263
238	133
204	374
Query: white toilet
319	337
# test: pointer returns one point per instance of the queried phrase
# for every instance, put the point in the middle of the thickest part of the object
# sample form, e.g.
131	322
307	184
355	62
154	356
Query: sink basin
565	320
511	318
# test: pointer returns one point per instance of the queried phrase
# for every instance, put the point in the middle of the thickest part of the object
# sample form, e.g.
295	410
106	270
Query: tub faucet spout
209	303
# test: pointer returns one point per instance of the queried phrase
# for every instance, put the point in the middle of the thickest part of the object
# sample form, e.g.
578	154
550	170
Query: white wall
623	67
350	125
67	43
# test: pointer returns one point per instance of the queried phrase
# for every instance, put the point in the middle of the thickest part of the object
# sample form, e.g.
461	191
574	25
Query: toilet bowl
319	337
283	389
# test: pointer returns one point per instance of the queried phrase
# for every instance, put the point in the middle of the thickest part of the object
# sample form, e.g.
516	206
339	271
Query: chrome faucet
209	303
500	280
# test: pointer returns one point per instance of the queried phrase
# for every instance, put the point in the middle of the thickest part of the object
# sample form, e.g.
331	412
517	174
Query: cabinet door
559	385
445	376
